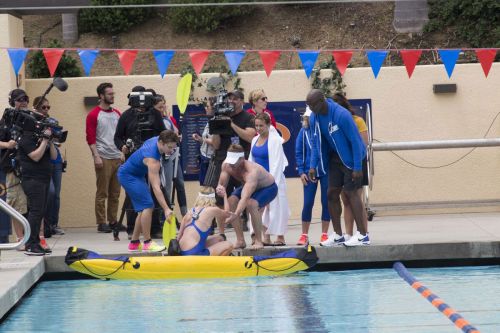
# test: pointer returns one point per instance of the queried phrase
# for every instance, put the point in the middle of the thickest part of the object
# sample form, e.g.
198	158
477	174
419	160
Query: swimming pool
345	301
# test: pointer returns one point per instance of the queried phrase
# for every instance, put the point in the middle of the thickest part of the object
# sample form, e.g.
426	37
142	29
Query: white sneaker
358	240
333	240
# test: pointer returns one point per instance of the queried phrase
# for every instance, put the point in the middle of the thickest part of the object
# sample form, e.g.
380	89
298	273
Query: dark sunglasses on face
24	99
45	107
263	99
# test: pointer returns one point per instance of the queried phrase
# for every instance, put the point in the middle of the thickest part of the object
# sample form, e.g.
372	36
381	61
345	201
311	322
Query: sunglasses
45	107
23	99
263	99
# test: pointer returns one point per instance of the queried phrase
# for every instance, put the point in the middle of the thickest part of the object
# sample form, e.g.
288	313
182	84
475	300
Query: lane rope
437	302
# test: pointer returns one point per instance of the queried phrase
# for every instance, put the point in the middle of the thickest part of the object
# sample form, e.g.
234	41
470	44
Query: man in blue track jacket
335	131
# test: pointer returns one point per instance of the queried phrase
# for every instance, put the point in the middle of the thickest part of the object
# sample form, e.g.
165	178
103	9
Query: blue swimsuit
199	249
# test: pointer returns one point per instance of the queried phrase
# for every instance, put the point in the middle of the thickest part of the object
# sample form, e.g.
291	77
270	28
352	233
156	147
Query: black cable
103	275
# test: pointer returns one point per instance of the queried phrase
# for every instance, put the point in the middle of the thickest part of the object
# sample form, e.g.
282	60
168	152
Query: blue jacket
345	136
303	147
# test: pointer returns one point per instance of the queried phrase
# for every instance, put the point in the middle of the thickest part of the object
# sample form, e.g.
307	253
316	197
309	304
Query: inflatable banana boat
189	267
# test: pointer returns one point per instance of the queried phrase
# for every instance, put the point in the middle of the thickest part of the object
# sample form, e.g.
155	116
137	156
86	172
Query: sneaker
35	250
57	231
358	240
134	247
333	240
153	247
103	228
44	245
303	240
324	237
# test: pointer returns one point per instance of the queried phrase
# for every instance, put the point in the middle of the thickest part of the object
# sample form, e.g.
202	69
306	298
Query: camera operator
51	219
35	153
136	125
242	132
18	100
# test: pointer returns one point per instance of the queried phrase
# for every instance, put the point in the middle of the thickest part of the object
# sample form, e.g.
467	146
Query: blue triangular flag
17	57
88	57
163	58
234	58
376	59
449	58
308	59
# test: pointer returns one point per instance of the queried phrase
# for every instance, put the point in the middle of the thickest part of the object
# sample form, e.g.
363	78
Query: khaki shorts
15	194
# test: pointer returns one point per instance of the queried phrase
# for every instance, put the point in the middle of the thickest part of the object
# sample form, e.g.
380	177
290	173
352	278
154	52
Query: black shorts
340	176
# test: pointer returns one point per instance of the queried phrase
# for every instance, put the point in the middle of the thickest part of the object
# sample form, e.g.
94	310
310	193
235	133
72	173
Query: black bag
174	249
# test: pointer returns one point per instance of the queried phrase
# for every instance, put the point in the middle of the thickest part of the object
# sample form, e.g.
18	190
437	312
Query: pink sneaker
134	247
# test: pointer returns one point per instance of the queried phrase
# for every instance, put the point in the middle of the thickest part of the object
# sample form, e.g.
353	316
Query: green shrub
203	19
113	20
67	67
475	21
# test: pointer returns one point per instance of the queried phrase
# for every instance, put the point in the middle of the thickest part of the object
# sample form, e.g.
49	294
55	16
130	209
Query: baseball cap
236	93
17	94
233	157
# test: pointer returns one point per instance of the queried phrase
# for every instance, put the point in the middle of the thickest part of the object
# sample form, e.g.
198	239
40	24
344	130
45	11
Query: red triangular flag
127	58
198	59
342	59
410	59
269	59
486	57
52	57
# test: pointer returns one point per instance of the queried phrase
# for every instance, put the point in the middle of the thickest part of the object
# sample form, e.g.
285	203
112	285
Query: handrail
18	216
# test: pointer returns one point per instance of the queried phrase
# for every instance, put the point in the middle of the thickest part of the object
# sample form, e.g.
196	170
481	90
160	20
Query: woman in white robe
276	214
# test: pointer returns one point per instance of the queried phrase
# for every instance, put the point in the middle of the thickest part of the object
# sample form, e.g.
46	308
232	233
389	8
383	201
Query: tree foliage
67	67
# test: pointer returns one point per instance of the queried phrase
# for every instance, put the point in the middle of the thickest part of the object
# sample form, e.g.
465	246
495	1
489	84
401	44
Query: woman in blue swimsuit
196	227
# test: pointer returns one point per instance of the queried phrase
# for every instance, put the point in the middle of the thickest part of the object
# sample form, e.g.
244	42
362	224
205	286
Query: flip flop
267	244
278	243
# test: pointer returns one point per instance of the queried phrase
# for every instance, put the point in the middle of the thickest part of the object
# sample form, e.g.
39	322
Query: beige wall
11	35
403	110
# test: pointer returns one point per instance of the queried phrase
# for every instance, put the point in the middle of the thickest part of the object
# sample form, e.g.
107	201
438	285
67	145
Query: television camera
220	123
141	100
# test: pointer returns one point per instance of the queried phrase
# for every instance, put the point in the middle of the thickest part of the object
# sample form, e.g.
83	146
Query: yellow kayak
189	267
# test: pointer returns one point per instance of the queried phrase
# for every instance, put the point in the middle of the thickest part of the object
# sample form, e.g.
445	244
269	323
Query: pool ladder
19	217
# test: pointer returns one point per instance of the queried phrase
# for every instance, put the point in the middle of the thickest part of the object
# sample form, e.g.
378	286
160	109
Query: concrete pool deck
463	237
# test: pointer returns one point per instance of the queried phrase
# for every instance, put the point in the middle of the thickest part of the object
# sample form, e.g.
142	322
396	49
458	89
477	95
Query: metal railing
16	215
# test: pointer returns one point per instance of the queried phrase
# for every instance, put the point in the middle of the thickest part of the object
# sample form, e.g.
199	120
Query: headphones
11	99
11	102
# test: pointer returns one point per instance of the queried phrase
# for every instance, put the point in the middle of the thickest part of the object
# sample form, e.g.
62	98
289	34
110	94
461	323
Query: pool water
347	301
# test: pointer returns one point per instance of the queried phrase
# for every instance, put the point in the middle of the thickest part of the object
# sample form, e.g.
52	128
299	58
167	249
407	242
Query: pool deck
468	237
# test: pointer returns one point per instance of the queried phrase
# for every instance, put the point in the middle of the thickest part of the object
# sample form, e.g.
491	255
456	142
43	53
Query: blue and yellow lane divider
438	303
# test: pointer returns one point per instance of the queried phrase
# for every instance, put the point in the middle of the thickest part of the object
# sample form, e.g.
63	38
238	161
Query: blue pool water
348	301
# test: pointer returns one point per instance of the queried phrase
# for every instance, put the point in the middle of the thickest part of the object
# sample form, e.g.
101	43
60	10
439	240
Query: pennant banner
52	57
233	59
198	59
269	59
308	59
17	57
376	59
449	58
87	57
163	58
486	58
342	59
127	58
410	59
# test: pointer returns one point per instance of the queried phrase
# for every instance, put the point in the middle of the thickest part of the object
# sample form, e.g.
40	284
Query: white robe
276	214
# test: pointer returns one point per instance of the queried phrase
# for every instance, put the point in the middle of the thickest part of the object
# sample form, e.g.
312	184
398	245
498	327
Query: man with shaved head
335	131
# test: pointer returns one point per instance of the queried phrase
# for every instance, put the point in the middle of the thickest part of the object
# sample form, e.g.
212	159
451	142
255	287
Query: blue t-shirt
135	164
324	126
261	155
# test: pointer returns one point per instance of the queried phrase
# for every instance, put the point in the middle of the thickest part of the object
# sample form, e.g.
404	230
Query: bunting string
308	58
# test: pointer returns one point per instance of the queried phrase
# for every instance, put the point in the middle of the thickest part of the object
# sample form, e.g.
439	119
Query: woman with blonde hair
267	151
258	99
196	227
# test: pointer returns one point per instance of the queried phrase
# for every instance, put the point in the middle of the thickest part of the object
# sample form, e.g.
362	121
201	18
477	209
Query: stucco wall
403	110
11	35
